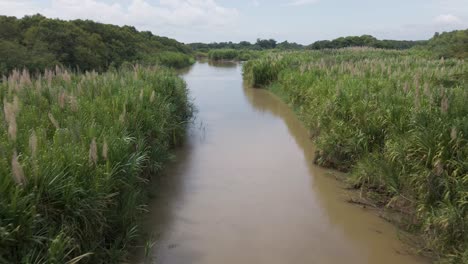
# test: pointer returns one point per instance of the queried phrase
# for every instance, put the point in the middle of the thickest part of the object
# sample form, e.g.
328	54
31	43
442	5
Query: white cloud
302	2
447	19
17	7
173	17
255	3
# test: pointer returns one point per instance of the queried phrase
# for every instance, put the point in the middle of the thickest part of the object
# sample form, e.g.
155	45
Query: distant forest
36	42
447	44
343	42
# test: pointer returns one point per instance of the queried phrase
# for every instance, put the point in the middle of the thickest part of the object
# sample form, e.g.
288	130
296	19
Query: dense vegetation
261	44
449	44
75	153
232	54
397	121
363	41
37	43
343	42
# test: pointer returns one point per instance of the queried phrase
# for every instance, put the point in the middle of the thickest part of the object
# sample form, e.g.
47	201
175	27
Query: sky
302	21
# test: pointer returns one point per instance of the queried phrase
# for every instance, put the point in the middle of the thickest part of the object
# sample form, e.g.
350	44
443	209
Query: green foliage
263	72
449	44
397	121
261	44
37	43
76	152
285	45
363	41
232	54
170	59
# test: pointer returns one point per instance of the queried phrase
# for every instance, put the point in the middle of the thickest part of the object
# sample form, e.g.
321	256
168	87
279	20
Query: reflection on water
244	189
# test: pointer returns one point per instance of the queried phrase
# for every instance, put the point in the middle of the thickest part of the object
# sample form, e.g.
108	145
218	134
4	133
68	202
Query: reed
72	177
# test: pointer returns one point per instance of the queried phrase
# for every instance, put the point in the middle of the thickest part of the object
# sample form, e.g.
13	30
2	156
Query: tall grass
75	154
169	59
398	122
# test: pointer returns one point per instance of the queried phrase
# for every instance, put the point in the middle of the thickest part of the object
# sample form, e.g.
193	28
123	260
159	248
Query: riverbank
395	121
76	153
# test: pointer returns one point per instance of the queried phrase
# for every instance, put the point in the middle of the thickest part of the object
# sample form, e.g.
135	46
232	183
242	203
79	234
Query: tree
266	43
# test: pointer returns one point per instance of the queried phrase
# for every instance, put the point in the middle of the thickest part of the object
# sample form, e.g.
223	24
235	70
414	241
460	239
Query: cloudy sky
302	21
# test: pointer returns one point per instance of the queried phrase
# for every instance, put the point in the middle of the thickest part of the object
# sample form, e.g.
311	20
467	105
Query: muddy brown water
244	189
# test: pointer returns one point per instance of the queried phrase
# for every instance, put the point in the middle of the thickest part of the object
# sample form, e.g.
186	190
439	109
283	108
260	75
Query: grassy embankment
76	151
397	122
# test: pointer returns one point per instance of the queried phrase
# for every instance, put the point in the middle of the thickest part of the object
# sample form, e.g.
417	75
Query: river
244	189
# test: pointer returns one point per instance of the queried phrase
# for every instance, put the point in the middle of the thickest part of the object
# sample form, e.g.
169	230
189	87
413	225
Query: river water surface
244	189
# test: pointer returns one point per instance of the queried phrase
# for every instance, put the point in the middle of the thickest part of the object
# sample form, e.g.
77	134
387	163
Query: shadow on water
164	189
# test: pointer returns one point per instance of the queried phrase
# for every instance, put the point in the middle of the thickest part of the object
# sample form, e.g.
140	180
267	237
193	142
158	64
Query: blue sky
303	21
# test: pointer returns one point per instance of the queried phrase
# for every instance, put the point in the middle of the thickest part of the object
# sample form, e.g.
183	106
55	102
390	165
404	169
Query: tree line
447	44
342	42
364	41
260	44
36	42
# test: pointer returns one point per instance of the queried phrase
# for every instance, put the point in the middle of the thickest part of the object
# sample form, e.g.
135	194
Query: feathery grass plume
10	111
49	74
16	104
12	128
4	79
123	114
406	87
453	133
13	81
153	96
93	156
416	81
135	71
438	168
25	78
58	70
427	92
33	143
54	121
141	95
61	99
105	150
79	89
444	104
417	96
17	170
66	76
302	69
38	85
73	103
